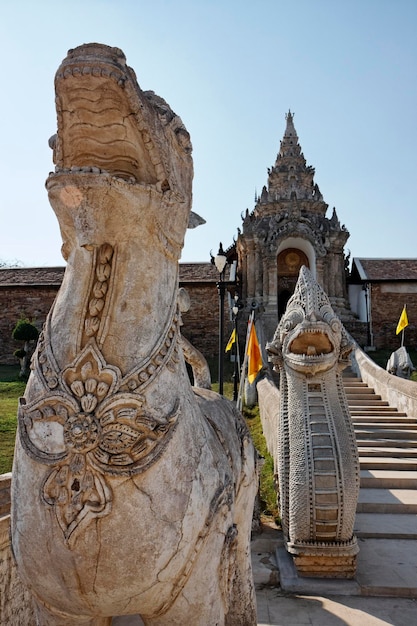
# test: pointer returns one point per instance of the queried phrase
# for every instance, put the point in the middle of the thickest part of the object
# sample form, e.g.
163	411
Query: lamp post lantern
220	261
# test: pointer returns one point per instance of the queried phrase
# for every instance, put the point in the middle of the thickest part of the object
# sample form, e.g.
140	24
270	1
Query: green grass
11	388
267	492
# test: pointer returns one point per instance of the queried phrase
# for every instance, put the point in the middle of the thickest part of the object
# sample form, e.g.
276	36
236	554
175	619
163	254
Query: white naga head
310	338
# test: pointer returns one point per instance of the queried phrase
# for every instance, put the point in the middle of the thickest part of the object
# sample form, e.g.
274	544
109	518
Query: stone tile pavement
277	608
317	602
314	602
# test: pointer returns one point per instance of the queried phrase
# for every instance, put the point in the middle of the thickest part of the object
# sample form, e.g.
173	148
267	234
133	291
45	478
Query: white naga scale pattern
316	453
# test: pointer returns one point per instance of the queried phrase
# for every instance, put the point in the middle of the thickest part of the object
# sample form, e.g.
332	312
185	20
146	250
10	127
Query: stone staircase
386	519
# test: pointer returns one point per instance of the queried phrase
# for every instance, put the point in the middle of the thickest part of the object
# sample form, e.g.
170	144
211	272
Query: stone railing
399	392
15	600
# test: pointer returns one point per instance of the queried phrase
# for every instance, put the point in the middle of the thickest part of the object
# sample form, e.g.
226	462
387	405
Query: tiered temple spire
289	222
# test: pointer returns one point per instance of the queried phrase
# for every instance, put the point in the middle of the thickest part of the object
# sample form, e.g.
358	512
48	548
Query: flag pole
245	363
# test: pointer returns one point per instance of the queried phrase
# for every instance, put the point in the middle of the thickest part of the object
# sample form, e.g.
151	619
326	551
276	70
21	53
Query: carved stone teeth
94	71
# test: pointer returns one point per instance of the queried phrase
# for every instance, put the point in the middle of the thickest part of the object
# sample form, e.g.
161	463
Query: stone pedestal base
321	561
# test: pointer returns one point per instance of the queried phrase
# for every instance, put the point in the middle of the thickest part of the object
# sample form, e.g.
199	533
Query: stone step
376	416
388	479
385	462
373	409
373	401
398	501
380	451
387	567
383	419
380	442
360	390
367	431
386	526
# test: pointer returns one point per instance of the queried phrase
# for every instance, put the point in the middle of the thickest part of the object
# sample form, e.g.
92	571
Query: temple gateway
288	228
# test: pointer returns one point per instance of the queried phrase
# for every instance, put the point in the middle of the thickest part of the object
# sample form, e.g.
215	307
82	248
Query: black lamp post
365	288
235	311
220	261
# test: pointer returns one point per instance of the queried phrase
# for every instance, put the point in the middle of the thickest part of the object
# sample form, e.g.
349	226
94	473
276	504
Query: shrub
27	332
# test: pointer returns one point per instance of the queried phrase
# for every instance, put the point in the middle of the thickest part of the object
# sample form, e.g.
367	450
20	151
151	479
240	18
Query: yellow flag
231	340
402	322
254	353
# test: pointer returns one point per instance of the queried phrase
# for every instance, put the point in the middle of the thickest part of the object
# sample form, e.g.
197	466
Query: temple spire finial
290	130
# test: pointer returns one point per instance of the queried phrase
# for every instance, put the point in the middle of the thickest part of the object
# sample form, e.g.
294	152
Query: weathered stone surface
313	440
400	364
132	492
16	604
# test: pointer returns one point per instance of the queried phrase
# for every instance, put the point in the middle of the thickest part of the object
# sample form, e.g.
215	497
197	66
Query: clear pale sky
230	69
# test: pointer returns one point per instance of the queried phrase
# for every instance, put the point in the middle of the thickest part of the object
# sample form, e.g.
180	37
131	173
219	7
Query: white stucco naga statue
311	435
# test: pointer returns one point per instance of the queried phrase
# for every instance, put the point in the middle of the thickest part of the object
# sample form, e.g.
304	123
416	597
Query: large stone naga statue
132	492
315	447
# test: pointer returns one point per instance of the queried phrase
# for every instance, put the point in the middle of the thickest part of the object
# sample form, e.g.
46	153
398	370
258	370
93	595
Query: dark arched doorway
289	262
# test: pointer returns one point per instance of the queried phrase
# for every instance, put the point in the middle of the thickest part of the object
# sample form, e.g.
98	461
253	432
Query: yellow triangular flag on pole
231	340
254	354
403	321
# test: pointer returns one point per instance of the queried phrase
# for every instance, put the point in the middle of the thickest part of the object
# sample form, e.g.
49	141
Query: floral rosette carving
86	429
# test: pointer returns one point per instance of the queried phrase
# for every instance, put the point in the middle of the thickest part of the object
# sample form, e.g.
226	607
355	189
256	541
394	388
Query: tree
28	333
10	264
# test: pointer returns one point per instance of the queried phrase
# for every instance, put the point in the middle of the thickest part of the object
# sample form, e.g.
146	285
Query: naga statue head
114	136
310	338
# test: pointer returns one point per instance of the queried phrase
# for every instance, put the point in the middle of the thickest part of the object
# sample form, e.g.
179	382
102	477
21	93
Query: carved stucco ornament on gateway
132	492
315	450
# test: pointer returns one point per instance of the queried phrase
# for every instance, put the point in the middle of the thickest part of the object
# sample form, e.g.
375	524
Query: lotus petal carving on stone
88	429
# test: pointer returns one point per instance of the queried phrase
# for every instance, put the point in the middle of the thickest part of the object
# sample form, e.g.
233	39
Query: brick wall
21	301
201	322
387	301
